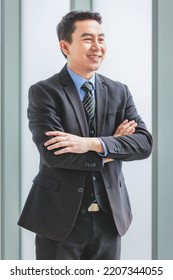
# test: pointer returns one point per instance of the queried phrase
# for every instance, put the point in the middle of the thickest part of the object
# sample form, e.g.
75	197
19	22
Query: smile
94	57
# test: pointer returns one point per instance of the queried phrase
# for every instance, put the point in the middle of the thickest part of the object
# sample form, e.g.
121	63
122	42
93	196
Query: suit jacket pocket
47	182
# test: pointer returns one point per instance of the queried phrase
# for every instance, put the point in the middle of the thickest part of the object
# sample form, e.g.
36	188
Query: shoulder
49	82
109	82
112	85
55	82
45	88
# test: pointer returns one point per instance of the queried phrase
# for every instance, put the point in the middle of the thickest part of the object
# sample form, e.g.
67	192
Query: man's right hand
125	128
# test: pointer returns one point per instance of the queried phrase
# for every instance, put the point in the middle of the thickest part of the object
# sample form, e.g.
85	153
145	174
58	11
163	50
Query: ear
64	47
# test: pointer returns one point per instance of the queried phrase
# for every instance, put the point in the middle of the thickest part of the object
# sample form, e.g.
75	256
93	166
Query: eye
102	39
87	39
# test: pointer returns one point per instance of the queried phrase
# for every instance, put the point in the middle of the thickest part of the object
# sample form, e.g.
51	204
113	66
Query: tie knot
87	86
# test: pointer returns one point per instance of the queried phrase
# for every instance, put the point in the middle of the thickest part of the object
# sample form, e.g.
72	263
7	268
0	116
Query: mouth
94	57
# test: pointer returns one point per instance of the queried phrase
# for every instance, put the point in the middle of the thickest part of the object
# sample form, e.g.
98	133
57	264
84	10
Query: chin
95	67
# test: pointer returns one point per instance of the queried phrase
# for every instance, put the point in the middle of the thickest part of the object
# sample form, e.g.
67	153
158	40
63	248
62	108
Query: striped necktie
89	100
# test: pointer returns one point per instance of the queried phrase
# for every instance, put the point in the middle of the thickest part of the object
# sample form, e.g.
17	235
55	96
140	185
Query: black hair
67	25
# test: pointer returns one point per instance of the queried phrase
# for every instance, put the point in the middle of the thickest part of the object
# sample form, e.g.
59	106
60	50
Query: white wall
127	26
41	58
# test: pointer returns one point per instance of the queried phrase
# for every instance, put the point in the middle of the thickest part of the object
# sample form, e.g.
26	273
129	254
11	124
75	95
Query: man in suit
84	126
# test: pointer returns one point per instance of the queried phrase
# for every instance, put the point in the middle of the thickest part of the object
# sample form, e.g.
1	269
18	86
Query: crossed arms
70	143
58	149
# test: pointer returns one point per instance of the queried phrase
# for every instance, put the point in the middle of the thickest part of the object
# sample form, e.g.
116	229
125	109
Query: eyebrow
90	34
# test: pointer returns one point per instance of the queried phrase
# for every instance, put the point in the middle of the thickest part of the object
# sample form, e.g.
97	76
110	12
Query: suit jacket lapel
75	101
101	103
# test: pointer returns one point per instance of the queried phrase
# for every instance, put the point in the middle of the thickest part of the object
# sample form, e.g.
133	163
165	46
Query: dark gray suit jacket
56	194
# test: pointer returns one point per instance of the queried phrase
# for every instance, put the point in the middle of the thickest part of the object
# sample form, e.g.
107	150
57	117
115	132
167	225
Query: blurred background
139	42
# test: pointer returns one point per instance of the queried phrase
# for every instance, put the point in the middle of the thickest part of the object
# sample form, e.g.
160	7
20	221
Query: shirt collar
79	81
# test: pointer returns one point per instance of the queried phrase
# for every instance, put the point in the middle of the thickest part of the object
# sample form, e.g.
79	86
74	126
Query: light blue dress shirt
79	81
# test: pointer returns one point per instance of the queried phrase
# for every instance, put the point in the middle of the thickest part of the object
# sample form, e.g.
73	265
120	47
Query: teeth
94	56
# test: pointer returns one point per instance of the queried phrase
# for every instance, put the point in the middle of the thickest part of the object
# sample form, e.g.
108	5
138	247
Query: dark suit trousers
94	237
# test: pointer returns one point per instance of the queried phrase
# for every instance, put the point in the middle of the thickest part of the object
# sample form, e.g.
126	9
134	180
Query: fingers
125	128
127	124
59	140
55	133
62	143
129	128
63	151
57	145
58	137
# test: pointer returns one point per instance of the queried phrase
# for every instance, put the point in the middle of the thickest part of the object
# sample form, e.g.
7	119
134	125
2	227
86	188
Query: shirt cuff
104	147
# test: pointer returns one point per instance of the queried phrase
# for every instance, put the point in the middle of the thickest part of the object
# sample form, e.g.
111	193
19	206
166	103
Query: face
87	50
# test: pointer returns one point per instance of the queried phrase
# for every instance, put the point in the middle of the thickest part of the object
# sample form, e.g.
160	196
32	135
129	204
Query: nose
96	45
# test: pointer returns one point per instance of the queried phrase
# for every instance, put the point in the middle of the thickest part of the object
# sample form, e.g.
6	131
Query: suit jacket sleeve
131	147
44	116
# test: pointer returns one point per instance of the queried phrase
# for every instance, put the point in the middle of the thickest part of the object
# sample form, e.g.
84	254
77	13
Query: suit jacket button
92	132
80	190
